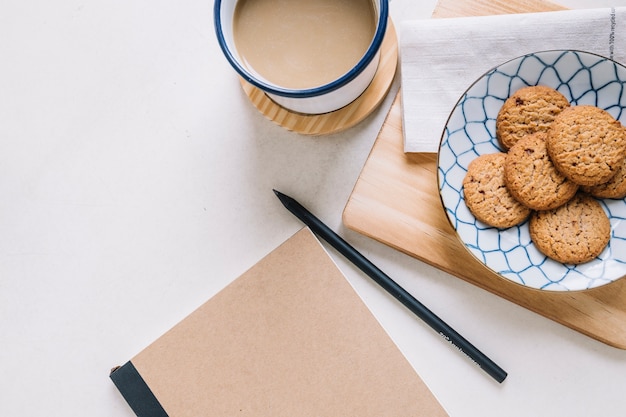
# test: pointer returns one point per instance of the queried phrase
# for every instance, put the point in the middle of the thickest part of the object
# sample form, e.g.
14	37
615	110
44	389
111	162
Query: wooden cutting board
396	201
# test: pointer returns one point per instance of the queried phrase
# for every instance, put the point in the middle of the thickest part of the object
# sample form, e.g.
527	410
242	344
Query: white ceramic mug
321	99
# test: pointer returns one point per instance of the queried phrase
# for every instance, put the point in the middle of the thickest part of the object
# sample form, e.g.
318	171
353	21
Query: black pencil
343	247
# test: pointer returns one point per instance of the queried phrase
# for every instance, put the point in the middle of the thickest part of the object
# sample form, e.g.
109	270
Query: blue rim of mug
308	92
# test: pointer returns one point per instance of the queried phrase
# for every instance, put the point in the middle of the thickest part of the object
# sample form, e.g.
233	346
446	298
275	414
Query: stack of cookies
557	161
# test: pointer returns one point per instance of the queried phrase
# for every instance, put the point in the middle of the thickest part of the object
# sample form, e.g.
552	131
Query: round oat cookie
486	195
573	233
586	144
615	188
531	177
529	110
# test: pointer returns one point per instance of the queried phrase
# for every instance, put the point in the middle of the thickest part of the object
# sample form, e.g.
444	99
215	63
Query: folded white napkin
440	58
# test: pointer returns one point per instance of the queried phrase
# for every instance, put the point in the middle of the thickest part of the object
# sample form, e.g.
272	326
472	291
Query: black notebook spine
136	392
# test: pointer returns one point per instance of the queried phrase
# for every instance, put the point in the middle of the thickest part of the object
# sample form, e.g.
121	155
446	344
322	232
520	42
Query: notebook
290	337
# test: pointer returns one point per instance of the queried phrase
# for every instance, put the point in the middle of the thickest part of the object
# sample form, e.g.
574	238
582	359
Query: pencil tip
286	200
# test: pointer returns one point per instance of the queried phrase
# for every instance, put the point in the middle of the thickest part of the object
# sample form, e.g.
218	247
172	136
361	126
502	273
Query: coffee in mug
302	44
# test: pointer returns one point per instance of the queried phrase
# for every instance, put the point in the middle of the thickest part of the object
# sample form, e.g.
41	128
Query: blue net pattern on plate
583	78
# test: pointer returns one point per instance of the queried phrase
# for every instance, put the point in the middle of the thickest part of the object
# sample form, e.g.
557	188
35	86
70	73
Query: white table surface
136	182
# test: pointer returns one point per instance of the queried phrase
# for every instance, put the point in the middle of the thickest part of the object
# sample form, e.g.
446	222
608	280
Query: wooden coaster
344	118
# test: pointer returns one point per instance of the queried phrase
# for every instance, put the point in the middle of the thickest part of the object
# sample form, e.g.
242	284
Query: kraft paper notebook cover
290	337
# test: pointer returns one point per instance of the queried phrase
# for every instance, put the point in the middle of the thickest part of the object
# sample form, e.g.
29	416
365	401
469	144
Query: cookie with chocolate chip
531	177
586	144
529	110
573	233
486	195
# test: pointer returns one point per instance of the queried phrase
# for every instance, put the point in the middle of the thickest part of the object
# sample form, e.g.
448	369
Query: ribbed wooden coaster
344	118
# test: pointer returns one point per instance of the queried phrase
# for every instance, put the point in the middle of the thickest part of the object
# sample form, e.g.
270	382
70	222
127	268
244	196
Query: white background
136	182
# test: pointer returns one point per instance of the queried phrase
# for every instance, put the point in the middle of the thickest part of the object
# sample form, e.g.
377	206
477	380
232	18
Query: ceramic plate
583	78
